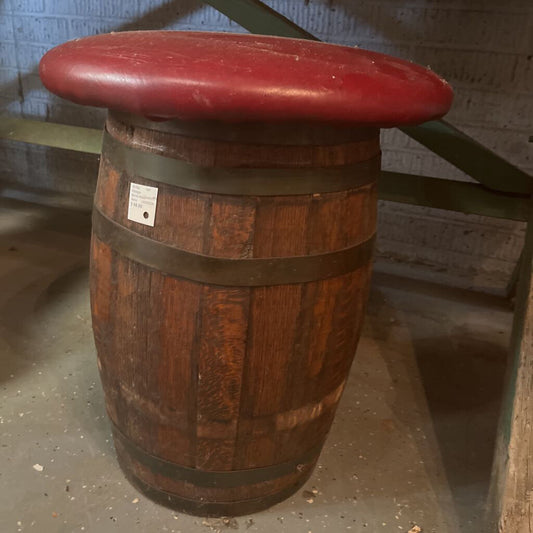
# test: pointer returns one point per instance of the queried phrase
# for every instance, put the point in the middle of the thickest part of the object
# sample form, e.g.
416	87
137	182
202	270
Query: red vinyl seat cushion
235	77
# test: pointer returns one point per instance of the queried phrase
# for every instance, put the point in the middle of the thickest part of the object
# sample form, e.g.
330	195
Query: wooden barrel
226	330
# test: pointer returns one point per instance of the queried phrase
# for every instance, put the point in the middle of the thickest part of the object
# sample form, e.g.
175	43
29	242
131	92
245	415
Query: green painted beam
509	501
471	157
393	186
452	195
440	137
257	17
522	307
50	134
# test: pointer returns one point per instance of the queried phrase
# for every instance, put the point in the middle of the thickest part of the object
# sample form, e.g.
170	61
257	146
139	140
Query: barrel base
210	509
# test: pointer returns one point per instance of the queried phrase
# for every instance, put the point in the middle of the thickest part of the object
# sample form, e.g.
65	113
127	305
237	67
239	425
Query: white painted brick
433	165
53	30
529	38
395	139
521	113
514	147
483	108
34	108
383	47
83	27
422	162
167	17
461	28
9	82
492	6
185	16
455	268
8	57
96	9
6	29
33	87
9	105
28	6
499	110
473	221
199	14
430	234
524	72
29	55
494	71
419	22
313	17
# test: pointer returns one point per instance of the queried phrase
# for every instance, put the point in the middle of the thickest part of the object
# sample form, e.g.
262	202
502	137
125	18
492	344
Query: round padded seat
233	77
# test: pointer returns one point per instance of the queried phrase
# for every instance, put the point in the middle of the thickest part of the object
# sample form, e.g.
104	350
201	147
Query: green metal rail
503	190
452	195
456	147
471	157
86	140
257	17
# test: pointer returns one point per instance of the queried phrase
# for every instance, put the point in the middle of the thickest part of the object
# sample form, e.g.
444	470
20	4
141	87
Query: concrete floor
411	444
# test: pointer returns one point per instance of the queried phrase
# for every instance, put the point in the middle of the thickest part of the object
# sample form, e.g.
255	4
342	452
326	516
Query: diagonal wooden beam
471	157
452	195
510	507
440	137
257	17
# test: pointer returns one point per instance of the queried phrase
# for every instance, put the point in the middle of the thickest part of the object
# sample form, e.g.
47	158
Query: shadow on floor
456	370
44	259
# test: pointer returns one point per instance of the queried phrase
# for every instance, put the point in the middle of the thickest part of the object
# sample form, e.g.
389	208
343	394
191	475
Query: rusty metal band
200	507
220	479
238	181
276	134
254	272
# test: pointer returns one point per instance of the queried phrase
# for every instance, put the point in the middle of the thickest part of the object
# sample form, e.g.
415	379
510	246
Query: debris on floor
405	420
310	495
219	524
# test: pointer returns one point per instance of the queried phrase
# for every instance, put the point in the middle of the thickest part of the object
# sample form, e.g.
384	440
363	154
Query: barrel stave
227	378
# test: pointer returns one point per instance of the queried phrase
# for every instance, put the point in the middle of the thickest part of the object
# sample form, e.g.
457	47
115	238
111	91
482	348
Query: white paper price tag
142	204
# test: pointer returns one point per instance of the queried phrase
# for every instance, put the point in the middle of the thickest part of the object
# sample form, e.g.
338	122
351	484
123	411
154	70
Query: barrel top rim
231	77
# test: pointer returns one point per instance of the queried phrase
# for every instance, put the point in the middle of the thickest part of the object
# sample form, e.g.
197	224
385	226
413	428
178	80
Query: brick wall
483	47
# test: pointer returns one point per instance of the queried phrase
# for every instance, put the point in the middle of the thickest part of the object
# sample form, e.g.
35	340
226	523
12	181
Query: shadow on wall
42	169
57	110
480	51
452	39
467	251
484	53
475	46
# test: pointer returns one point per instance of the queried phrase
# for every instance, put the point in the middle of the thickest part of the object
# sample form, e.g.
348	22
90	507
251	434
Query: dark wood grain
228	378
229	154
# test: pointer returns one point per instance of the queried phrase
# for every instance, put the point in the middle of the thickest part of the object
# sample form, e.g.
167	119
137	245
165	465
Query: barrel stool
233	227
